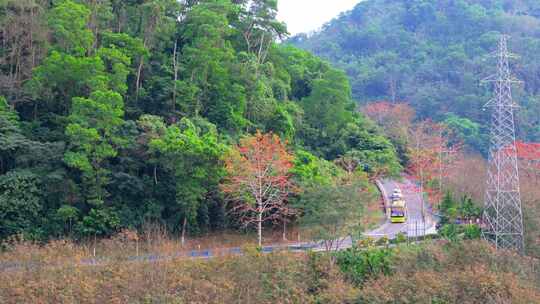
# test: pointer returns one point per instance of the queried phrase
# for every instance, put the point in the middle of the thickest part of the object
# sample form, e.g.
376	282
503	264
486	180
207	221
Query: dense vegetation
117	113
433	55
456	272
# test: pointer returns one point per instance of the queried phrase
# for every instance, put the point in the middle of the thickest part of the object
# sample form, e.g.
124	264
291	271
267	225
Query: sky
307	15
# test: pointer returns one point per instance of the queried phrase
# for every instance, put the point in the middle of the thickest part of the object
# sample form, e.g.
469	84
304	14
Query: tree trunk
95	241
32	50
259	227
393	89
284	230
183	240
155	174
175	68
35	110
138	82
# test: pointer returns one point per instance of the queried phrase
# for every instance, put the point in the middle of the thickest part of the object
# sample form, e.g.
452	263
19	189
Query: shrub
360	265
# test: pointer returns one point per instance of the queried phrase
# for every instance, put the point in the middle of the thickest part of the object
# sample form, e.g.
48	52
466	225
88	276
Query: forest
434	55
119	114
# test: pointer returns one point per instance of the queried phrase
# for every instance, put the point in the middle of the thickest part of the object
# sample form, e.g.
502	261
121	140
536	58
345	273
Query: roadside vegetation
434	271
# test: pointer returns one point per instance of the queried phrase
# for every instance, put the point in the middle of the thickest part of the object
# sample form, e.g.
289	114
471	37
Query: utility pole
503	218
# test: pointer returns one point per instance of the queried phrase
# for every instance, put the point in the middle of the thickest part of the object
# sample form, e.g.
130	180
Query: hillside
433	55
124	114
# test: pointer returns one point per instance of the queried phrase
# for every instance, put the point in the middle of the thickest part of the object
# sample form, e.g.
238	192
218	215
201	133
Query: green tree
68	215
448	209
468	209
374	153
332	211
360	265
329	107
208	59
68	21
467	131
99	222
309	170
92	132
62	76
259	26
12	141
20	203
194	158
119	51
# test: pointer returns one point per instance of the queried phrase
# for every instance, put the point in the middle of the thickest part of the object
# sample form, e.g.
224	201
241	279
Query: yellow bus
398	211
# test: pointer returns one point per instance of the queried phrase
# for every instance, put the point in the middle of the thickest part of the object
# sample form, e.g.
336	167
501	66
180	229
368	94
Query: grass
466	272
128	244
251	278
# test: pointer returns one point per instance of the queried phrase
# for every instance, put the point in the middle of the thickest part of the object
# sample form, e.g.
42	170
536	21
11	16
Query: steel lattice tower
503	218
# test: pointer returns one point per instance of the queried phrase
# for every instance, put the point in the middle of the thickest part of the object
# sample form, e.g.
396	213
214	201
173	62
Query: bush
472	232
400	238
458	272
454	232
359	265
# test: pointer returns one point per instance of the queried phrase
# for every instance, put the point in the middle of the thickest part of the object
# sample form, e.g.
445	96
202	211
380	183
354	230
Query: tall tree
259	26
259	181
69	23
329	106
93	135
208	59
432	156
193	155
332	212
12	141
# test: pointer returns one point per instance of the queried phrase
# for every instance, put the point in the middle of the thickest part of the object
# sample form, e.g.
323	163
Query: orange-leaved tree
432	155
394	118
259	181
529	157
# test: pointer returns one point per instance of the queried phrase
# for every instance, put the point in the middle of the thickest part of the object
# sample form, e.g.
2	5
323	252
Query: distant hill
433	54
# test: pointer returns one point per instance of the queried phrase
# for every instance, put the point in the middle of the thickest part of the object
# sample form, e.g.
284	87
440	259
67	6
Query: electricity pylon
503	218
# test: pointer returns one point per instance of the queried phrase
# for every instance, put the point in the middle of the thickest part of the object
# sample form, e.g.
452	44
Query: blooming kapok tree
529	159
394	118
259	182
432	156
529	169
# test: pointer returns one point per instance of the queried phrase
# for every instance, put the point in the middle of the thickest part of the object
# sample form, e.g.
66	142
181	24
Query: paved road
419	222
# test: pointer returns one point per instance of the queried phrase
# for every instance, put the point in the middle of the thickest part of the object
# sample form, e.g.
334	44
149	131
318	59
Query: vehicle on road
396	194
398	207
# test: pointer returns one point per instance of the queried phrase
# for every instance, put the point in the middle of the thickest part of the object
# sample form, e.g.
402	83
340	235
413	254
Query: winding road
419	222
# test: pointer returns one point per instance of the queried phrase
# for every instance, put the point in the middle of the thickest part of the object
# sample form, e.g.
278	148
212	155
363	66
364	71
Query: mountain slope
433	54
